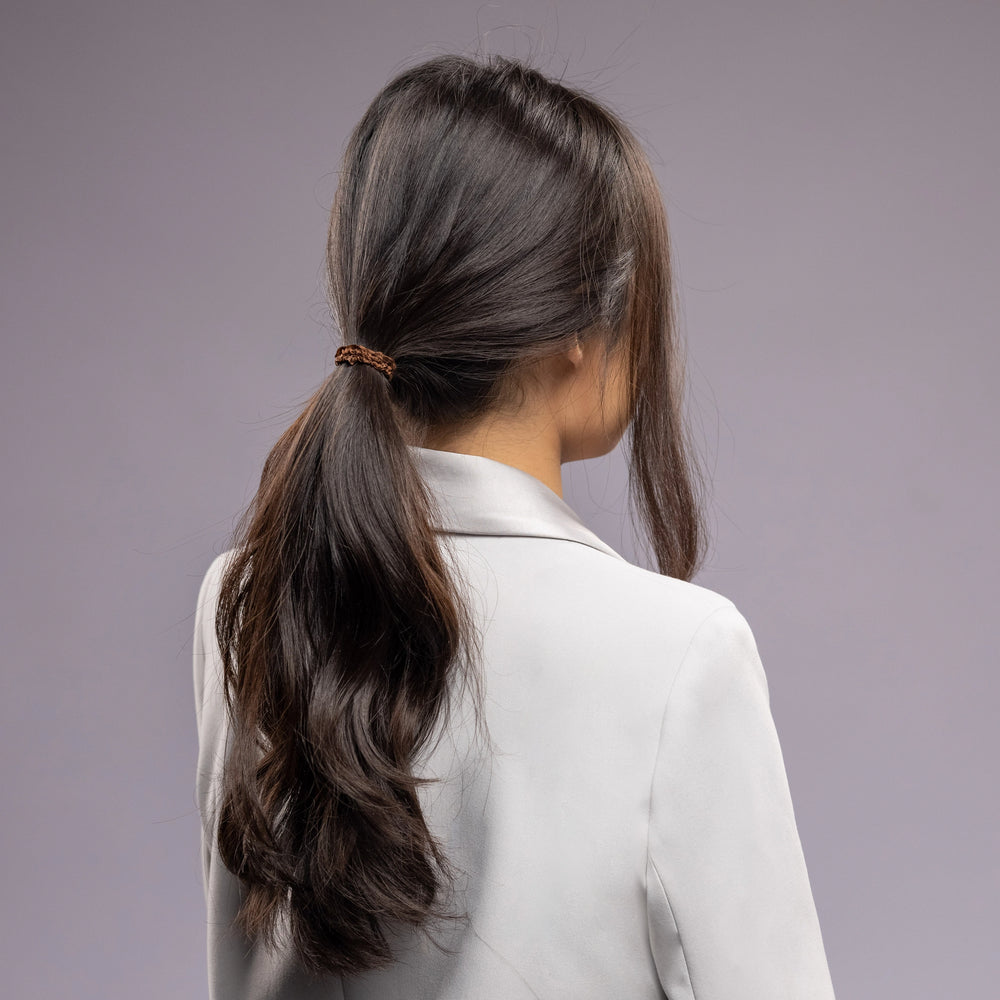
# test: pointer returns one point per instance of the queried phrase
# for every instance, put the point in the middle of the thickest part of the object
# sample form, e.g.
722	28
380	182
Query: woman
451	743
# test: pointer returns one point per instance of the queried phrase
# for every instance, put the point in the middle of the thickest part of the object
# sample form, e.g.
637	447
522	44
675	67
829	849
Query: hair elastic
349	354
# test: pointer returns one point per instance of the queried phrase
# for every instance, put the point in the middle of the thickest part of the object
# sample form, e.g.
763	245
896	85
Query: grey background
830	173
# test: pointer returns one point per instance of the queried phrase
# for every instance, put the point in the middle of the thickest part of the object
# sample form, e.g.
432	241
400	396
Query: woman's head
488	220
488	217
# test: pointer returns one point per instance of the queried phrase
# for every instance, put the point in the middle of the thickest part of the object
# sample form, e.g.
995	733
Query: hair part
486	215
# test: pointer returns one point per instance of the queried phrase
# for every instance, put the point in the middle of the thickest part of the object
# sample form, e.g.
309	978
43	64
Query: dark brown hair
485	216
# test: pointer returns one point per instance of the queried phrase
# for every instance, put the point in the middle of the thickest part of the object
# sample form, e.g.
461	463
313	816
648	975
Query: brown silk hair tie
350	354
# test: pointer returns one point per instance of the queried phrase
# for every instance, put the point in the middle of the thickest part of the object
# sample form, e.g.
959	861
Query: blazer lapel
481	496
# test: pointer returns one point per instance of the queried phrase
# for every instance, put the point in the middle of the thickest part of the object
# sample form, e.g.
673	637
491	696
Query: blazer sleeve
207	676
730	909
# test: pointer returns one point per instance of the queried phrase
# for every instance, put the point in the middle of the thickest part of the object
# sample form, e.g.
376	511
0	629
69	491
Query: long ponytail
349	632
486	216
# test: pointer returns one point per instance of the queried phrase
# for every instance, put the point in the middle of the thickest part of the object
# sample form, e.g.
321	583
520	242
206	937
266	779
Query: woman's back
626	831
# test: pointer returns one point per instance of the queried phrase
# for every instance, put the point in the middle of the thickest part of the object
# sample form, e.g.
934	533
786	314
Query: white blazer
632	835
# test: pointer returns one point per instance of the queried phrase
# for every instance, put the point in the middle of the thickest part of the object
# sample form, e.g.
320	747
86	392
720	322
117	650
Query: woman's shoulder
640	582
212	575
619	589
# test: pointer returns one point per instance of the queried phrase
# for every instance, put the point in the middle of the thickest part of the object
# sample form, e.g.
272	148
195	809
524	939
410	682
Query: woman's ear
575	353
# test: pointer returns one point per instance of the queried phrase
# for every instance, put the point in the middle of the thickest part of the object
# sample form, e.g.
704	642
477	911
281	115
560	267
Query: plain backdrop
830	173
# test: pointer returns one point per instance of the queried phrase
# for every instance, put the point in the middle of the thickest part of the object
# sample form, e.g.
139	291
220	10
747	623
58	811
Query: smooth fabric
631	832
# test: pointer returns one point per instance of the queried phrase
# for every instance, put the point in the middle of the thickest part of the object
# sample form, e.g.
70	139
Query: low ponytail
349	631
486	217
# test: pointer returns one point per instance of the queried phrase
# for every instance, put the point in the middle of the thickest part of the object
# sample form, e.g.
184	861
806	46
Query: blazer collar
481	496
